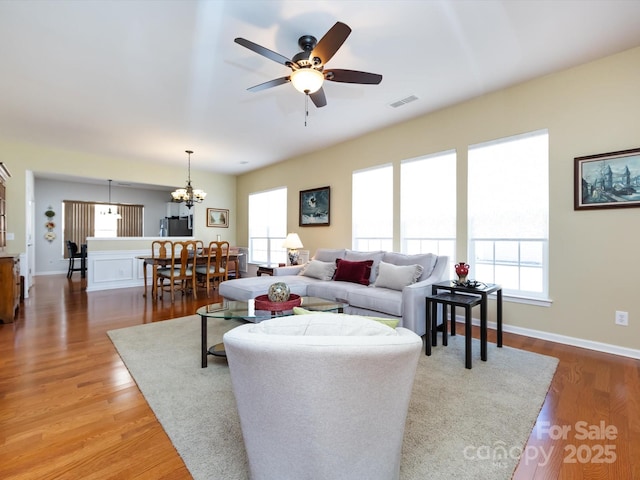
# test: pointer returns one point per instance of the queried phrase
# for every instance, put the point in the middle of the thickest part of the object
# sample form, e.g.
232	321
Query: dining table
159	262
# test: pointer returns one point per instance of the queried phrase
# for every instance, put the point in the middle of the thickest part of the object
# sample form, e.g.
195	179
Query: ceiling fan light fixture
307	67
307	80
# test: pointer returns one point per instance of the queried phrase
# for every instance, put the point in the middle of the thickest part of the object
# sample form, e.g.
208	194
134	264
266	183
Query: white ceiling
148	79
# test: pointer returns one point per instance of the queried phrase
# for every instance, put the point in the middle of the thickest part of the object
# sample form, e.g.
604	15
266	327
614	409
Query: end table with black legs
467	297
484	290
453	300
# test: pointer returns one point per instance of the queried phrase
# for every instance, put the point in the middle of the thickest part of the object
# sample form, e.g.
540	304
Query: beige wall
20	158
594	258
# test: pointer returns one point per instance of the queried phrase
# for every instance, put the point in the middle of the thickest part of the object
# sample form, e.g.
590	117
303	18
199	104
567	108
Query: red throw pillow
354	272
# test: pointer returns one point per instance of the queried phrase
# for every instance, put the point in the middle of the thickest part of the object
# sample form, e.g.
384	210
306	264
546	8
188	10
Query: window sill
538	302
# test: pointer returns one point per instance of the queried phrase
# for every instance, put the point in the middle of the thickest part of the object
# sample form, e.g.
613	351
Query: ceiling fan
308	73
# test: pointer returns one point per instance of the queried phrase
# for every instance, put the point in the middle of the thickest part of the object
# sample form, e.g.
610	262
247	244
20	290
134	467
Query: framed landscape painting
315	207
607	180
217	217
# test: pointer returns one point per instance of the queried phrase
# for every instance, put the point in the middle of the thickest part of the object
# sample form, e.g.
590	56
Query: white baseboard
563	339
42	274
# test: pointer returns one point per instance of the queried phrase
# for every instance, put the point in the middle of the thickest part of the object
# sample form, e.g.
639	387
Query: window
428	205
268	226
372	209
86	219
106	222
508	211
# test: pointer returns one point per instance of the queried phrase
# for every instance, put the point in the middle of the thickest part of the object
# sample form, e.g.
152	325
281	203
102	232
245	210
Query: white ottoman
322	396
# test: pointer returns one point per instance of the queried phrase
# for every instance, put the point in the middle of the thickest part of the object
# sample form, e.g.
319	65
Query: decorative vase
462	270
279	292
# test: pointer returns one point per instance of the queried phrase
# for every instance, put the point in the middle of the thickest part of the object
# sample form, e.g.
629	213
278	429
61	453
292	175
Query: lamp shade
292	241
307	80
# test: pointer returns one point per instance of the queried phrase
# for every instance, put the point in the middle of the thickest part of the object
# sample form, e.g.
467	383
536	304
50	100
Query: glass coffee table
237	310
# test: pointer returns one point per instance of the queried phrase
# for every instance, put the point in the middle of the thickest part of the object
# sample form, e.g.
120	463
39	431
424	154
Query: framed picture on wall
217	217
315	207
607	180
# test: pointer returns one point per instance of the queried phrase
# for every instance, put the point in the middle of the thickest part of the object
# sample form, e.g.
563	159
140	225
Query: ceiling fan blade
265	52
352	76
318	98
271	83
330	43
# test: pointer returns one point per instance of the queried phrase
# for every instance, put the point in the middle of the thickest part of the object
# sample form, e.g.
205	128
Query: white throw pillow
396	277
328	254
319	270
427	260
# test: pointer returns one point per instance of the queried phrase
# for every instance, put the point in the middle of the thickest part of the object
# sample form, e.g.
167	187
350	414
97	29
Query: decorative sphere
279	292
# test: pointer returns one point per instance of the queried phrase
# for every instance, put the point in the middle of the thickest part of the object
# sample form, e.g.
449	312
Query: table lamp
292	243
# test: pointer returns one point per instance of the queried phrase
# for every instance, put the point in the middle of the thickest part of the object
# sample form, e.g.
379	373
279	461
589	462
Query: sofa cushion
328	254
397	277
355	256
322	324
318	269
383	300
427	260
355	272
250	287
338	291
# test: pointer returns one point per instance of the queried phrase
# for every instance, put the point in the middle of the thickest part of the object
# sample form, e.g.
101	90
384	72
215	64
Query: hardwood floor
69	408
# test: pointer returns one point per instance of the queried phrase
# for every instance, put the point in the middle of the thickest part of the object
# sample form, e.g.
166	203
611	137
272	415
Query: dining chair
160	257
180	273
233	268
216	266
200	250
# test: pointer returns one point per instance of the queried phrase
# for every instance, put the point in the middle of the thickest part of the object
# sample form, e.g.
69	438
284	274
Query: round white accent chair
322	396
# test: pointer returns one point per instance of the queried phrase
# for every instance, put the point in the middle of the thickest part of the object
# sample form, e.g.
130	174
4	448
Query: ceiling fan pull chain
306	108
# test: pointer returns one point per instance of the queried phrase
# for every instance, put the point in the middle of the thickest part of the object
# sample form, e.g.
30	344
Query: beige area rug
460	423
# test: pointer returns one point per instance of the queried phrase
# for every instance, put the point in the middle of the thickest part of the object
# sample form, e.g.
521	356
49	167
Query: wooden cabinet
9	286
178	209
4	175
9	264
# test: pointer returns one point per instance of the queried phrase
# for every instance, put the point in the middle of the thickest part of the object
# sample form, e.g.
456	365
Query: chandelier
188	194
115	214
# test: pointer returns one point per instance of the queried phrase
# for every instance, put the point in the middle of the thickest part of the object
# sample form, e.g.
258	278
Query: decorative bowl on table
262	302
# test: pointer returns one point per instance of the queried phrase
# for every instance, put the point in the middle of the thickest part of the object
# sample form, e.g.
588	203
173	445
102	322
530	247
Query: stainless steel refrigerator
176	227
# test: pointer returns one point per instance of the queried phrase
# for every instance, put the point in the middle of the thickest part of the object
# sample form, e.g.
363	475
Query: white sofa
406	303
322	396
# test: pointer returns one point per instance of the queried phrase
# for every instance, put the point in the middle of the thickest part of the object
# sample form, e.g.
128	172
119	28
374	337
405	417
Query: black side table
454	300
483	290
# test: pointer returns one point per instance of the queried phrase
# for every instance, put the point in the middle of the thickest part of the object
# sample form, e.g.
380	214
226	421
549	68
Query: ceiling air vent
404	101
